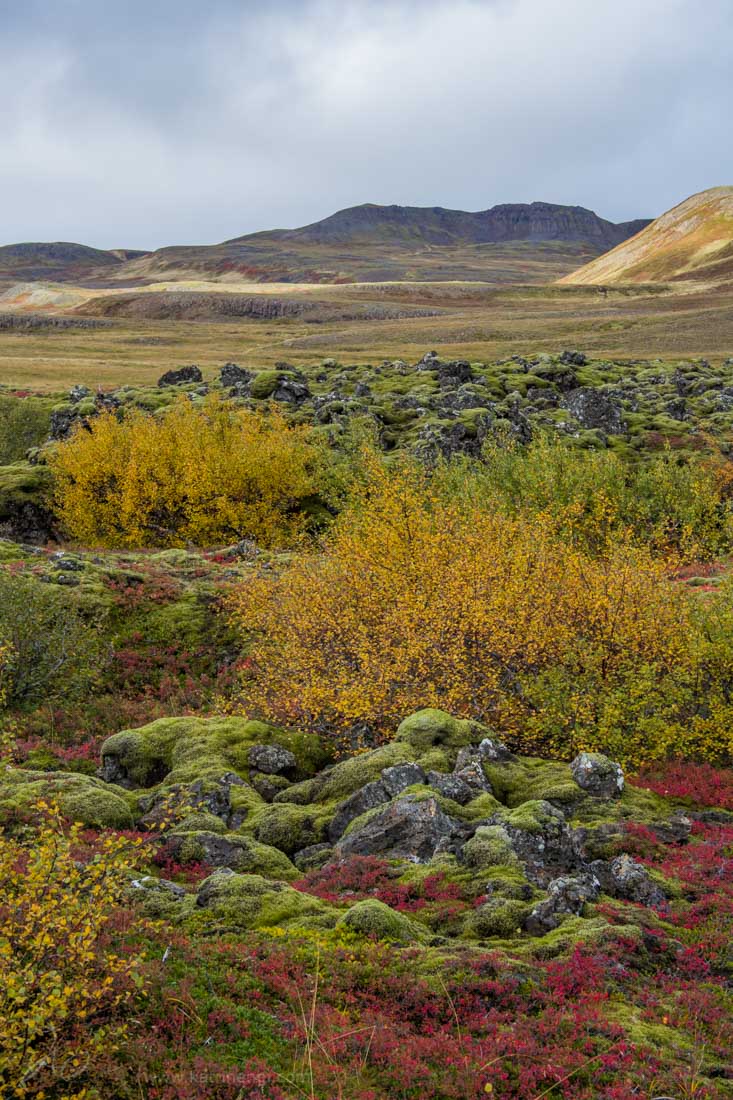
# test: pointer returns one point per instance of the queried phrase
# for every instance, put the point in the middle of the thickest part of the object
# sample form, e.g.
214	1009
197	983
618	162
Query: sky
154	122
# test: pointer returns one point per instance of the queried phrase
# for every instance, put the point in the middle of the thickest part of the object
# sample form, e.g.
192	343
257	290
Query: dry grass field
362	324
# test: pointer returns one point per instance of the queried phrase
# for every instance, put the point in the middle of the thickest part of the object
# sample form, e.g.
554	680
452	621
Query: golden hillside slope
692	241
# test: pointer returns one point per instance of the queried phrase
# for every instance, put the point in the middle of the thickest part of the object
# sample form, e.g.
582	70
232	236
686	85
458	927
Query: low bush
52	648
206	473
63	991
24	423
669	502
421	600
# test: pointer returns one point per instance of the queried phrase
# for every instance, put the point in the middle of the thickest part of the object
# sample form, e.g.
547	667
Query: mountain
513	243
691	242
534	242
536	221
59	260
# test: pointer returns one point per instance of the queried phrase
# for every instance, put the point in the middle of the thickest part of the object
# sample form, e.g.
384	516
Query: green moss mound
182	750
373	918
238	853
430	727
498	917
488	847
21	485
80	798
251	901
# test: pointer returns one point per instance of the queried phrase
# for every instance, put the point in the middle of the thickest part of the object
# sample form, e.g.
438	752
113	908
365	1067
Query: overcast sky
150	122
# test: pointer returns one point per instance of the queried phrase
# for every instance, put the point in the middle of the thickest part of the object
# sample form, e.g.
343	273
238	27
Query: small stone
67	580
450	786
271	759
69	565
149	883
78	393
496	751
397	778
598	775
566	897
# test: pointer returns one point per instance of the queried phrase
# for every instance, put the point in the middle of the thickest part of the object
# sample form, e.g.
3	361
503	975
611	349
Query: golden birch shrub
419	599
63	991
205	474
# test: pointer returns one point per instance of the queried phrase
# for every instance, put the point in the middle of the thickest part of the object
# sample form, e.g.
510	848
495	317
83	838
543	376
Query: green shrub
56	651
668	502
24	423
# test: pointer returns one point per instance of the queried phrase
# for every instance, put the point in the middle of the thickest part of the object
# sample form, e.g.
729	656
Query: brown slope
691	242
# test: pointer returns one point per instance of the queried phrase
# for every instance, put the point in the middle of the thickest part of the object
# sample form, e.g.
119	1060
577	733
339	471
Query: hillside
514	243
691	242
59	260
536	221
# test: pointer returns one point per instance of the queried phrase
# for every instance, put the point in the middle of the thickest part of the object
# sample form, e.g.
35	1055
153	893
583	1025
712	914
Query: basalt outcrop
532	847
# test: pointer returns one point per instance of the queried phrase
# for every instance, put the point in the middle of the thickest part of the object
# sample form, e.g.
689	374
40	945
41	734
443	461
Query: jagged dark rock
78	393
371	795
407	829
62	421
566	896
490	748
593	409
182	376
233	375
574	358
624	878
291	391
397	778
450	786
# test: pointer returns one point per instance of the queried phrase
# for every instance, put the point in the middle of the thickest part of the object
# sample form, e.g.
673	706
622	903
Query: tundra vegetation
369	736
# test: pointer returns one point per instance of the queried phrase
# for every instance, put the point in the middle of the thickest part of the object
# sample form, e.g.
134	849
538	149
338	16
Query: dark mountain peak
370	223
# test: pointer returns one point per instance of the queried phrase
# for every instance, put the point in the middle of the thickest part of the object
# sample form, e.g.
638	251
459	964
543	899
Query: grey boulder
408	828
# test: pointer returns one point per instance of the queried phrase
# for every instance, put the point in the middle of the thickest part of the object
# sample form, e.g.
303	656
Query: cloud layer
160	122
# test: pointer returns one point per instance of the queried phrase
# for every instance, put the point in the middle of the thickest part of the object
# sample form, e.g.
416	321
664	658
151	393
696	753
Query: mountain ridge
442	225
509	243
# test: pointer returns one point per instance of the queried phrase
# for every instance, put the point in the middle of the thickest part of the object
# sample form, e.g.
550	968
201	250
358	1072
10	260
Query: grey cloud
144	124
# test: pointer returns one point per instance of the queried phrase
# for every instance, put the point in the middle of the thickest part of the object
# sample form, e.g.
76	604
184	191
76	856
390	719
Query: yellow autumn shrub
62	990
420	599
207	474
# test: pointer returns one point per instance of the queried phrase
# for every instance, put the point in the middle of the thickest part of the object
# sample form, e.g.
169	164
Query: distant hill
536	221
514	243
60	260
691	242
